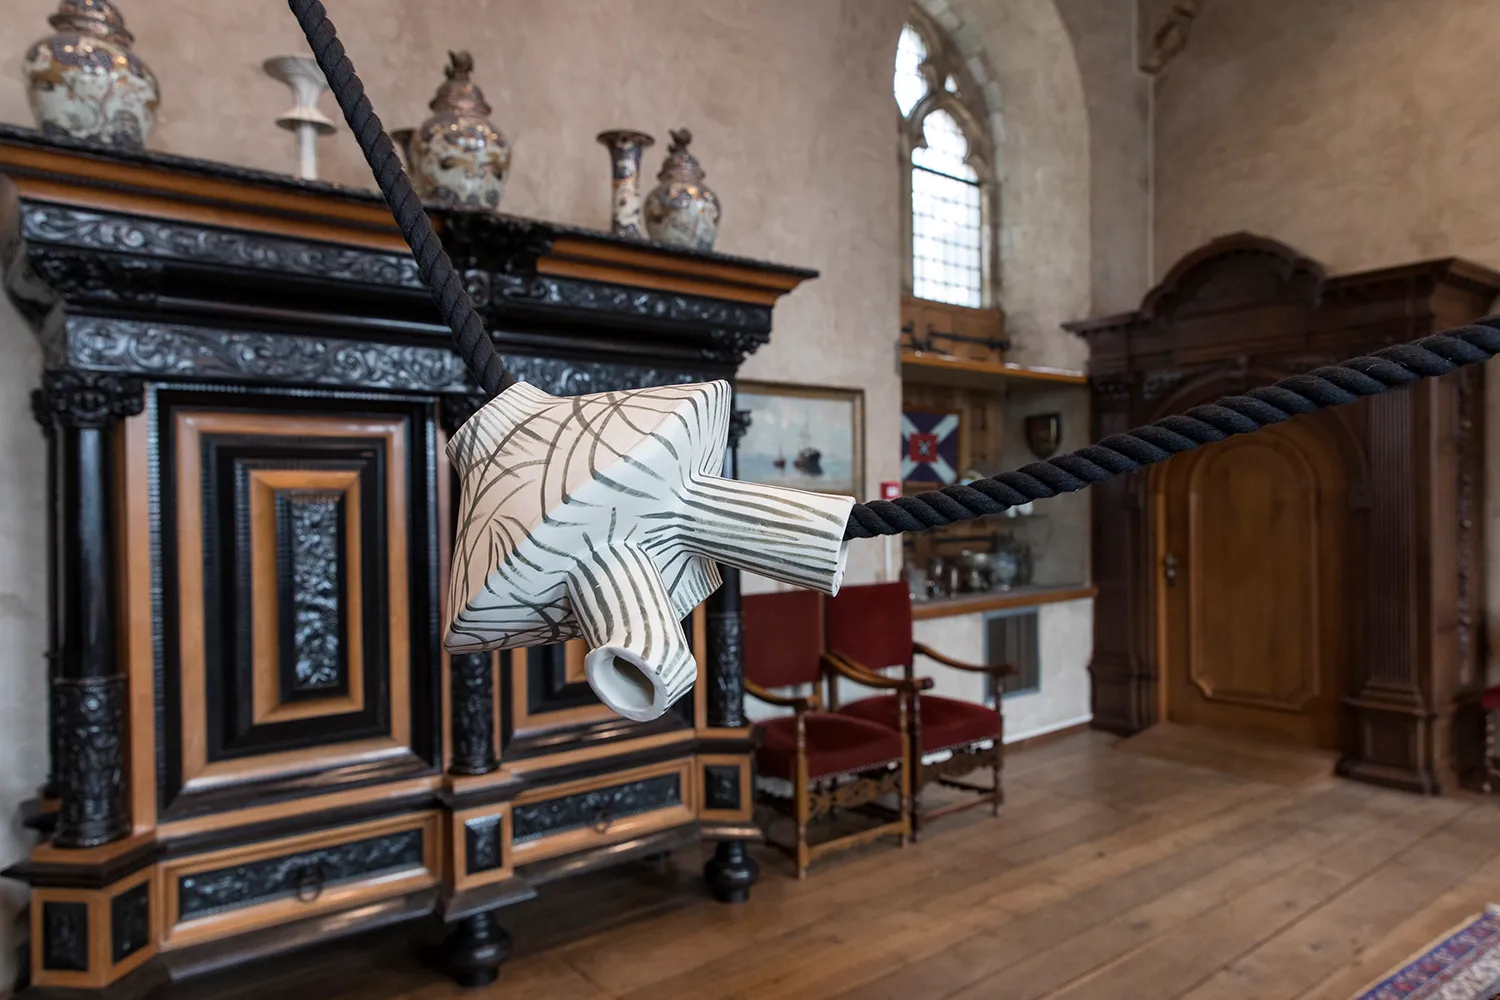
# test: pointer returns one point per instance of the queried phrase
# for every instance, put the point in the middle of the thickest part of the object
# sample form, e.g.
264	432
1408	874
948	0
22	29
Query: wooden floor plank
1107	875
1333	935
1379	957
985	951
934	915
909	920
1179	960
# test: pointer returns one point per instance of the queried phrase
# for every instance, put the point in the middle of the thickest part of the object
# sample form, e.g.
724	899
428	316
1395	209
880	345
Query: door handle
1169	567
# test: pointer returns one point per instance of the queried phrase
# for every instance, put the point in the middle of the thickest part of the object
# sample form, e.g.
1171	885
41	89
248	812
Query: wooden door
1254	586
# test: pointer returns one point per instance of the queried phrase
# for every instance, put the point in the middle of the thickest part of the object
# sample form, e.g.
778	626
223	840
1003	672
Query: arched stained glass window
948	168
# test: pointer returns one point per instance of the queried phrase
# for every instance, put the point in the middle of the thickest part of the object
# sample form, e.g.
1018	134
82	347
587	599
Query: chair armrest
854	672
810	703
997	670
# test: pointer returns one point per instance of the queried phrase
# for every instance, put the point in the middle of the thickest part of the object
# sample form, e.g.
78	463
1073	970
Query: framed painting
804	436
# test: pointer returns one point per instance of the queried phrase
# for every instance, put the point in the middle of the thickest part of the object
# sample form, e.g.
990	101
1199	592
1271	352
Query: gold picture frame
816	433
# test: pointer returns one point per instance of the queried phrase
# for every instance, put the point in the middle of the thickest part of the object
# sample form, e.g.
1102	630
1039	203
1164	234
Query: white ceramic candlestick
302	74
602	516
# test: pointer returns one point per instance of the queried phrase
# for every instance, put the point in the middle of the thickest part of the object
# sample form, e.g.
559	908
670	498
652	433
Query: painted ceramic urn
85	82
681	211
457	157
602	517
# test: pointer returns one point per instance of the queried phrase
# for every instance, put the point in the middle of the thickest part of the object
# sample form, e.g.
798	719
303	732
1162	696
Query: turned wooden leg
906	800
802	792
731	872
1489	751
476	948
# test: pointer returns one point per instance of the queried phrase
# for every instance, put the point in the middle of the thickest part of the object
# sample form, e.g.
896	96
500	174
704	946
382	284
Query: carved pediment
1232	273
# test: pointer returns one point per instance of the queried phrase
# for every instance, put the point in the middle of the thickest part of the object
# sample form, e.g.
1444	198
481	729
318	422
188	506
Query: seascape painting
807	437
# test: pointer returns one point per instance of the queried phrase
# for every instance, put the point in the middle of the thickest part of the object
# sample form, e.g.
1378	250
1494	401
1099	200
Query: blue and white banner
929	448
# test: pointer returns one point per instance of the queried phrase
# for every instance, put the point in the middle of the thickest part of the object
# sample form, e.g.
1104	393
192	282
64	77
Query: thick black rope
1334	385
469	336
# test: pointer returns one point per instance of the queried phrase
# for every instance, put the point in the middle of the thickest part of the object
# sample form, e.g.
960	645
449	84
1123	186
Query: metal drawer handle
603	820
310	884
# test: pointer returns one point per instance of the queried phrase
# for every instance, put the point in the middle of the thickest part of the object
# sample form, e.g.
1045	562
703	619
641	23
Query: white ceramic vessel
303	119
85	82
602	516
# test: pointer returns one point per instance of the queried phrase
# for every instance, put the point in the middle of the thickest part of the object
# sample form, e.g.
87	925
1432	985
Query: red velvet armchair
868	628
831	761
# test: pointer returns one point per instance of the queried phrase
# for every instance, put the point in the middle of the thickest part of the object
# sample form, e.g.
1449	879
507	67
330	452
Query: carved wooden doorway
1254	591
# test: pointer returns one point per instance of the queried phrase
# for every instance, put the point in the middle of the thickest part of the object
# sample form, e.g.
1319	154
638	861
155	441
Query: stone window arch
949	198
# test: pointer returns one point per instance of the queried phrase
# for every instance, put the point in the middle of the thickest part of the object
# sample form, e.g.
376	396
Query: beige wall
23	608
790	105
1117	98
1043	165
1354	130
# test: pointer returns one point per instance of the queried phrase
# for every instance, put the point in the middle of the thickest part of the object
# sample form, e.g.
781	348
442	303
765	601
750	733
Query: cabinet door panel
298	644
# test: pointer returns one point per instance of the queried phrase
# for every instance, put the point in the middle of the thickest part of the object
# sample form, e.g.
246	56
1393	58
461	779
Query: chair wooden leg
908	799
1489	752
802	796
998	797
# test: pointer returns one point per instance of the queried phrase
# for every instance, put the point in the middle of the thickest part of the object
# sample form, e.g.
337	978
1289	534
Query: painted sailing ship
809	460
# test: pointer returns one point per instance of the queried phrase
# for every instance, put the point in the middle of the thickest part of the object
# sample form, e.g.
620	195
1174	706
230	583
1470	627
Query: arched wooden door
1253	578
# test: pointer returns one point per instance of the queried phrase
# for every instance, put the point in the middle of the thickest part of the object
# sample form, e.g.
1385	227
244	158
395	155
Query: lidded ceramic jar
681	211
457	157
85	82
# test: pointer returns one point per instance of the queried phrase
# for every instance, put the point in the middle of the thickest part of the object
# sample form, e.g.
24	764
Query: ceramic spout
791	536
639	661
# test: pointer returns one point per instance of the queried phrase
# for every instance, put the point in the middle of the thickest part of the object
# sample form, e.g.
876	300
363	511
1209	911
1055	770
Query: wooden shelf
1000	600
943	369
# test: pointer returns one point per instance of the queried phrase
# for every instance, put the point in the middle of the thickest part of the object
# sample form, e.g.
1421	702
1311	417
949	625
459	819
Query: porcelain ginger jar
681	211
85	82
457	157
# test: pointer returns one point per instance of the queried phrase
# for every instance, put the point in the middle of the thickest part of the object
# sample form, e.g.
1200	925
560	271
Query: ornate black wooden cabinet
257	740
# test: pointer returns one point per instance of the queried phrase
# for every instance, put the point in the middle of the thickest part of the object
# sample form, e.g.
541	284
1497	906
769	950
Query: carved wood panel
289	598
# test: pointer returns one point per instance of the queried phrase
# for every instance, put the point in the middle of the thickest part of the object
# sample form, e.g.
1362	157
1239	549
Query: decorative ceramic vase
306	79
85	83
625	147
602	516
681	211
457	157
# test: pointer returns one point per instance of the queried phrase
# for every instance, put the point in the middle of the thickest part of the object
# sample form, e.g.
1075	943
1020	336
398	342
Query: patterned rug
1463	964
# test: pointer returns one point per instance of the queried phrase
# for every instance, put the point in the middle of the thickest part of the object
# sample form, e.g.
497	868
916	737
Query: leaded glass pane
946	218
911	86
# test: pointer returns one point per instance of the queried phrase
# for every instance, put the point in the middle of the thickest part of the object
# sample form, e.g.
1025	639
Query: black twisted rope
438	273
1334	385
